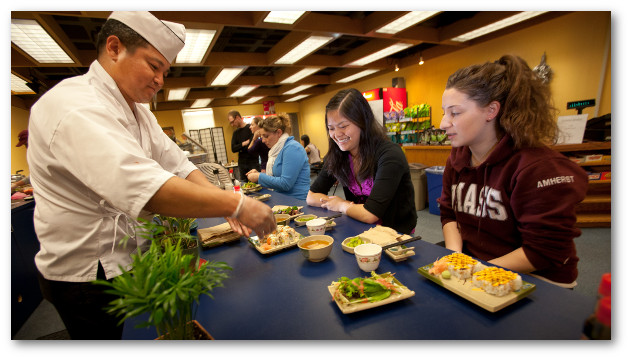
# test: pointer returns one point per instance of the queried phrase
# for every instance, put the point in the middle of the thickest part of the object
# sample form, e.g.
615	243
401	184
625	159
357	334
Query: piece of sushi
462	266
497	281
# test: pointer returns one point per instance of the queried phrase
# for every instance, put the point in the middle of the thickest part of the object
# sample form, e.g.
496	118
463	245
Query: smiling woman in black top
372	170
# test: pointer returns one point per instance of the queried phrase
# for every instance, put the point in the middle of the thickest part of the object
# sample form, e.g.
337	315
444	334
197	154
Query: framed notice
571	128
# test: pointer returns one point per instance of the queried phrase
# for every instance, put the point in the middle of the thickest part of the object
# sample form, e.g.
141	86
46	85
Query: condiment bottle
232	174
604	286
237	189
597	325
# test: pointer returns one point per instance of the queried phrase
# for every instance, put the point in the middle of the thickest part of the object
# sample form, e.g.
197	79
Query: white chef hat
167	37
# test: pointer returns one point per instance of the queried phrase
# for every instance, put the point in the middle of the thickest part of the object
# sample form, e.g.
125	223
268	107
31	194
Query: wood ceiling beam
326	23
364	50
479	20
236	59
378	19
285	45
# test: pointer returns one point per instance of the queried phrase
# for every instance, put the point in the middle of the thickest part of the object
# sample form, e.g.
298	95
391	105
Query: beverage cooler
385	100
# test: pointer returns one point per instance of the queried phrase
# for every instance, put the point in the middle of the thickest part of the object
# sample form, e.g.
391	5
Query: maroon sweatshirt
514	199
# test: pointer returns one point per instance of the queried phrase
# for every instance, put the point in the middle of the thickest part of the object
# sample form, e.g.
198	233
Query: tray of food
382	236
262	197
492	288
249	187
214	236
282	238
292	211
377	290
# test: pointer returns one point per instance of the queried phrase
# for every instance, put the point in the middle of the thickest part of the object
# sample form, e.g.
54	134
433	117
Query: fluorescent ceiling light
18	85
29	36
497	25
380	54
283	17
298	89
295	98
243	90
202	102
197	43
405	21
300	75
177	94
252	100
307	47
357	75
226	76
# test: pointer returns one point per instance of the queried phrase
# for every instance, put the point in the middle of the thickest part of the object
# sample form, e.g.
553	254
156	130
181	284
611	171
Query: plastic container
419	180
434	187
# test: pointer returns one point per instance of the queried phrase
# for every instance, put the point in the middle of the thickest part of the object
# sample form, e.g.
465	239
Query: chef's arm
199	178
184	198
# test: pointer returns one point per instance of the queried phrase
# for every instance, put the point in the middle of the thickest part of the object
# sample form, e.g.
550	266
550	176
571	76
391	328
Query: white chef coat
94	165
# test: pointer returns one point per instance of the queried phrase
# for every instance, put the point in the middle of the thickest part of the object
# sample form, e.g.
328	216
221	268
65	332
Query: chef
99	160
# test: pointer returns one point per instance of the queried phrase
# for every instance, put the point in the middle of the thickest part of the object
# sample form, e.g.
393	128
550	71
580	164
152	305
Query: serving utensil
333	216
387	246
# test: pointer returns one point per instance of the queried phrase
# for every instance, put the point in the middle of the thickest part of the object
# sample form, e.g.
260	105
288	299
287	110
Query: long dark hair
353	106
526	114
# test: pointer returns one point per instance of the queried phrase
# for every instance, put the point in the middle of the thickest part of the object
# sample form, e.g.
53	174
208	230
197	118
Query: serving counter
283	296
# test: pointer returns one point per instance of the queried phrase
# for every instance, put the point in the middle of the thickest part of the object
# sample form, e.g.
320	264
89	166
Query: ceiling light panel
243	90
296	98
177	94
380	54
18	85
307	47
405	21
298	89
197	43
497	25
252	100
29	36
202	102
357	75
226	76
300	75
283	17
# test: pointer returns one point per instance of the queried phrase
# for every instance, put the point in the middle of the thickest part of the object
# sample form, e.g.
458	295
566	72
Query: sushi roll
497	281
461	265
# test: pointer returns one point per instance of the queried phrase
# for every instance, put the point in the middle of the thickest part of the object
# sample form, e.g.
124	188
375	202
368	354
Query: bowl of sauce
316	248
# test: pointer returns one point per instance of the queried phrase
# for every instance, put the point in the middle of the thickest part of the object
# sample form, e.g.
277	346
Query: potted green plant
166	283
178	230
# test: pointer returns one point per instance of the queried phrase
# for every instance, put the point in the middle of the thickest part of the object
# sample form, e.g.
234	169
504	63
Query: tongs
396	244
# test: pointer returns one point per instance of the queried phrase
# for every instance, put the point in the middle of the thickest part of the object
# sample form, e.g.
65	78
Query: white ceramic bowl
316	226
282	219
349	249
368	256
316	254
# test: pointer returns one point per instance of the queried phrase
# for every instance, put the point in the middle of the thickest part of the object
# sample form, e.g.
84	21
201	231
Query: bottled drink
237	189
232	174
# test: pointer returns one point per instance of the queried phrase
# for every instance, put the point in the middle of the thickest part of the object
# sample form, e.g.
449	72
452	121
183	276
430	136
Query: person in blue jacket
288	170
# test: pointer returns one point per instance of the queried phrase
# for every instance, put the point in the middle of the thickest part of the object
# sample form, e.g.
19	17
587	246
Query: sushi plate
465	289
275	249
357	307
252	189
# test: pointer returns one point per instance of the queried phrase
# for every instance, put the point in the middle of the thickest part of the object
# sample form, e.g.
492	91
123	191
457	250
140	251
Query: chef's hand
252	176
257	216
334	203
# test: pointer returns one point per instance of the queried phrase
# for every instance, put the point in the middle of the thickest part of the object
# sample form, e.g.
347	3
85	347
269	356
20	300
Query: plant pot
199	332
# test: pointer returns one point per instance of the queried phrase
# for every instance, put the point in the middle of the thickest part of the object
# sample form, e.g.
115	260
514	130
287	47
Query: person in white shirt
311	150
99	160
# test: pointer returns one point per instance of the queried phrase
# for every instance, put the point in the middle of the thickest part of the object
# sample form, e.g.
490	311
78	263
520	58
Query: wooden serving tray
465	289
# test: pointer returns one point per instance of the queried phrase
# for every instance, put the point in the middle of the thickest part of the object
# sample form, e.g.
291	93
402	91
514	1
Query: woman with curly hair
372	169
508	198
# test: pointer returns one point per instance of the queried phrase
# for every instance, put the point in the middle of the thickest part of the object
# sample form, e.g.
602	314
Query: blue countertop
283	296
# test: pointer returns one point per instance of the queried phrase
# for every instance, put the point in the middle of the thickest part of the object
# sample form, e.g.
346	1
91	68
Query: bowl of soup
316	248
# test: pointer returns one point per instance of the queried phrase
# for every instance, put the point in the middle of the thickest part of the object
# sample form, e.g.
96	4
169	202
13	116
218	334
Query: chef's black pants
81	306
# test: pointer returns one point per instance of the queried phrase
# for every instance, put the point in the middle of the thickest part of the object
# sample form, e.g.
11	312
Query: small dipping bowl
316	226
368	256
349	249
282	219
316	253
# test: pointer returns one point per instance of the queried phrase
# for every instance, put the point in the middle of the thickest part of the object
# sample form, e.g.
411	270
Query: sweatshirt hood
460	156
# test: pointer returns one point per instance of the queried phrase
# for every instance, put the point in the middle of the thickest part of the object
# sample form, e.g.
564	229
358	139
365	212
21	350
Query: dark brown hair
353	106
127	36
526	114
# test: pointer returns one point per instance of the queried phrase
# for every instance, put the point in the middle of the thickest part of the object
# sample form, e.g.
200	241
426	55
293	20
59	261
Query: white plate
274	249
